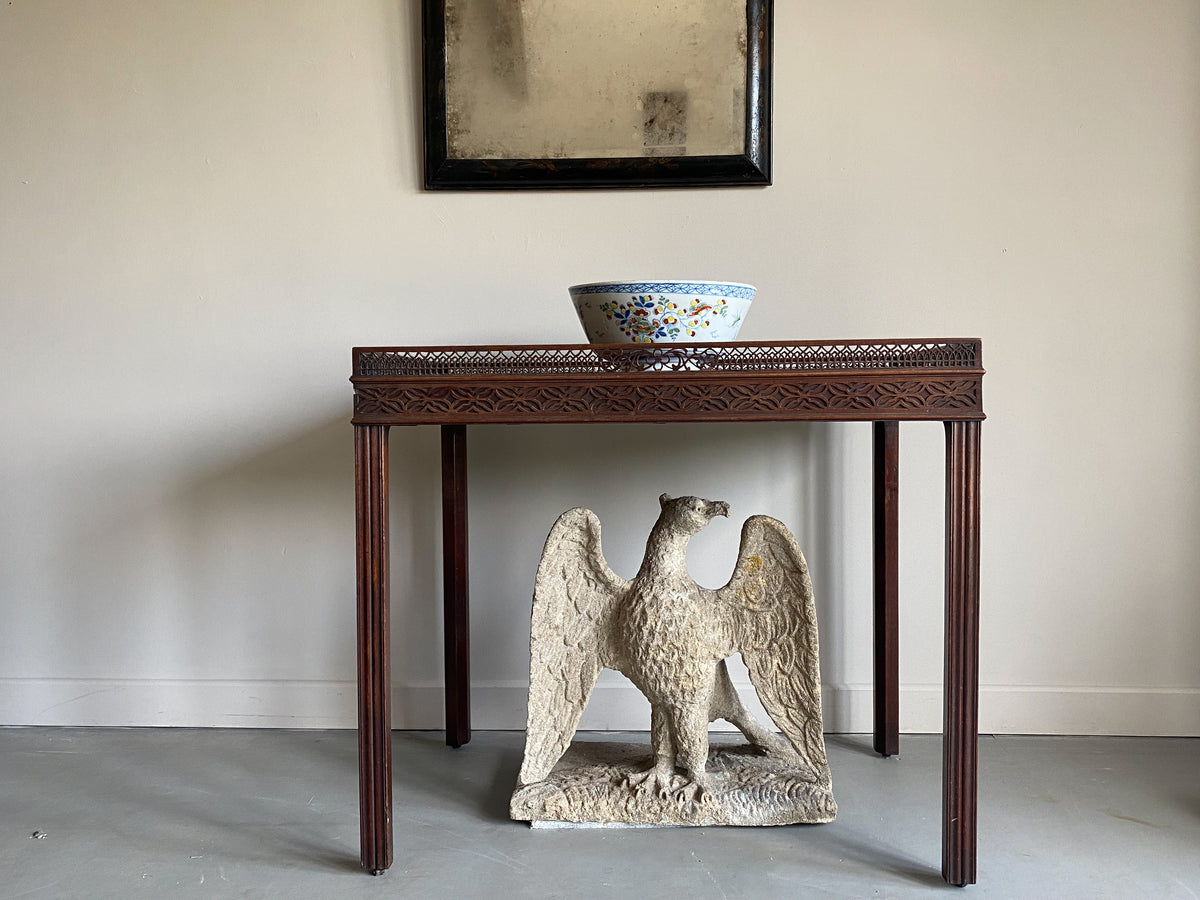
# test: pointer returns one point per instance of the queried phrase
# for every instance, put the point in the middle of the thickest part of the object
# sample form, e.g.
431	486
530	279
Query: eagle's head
690	514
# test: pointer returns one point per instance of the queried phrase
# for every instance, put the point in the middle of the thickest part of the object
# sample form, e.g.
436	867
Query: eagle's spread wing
574	598
768	613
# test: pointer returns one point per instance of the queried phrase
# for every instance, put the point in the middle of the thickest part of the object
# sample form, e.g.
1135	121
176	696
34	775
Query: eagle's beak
720	508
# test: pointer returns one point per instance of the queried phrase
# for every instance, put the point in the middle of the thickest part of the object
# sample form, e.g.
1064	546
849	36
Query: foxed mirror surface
578	79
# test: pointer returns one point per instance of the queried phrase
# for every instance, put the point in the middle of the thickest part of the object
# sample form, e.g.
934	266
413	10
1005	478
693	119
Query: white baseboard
177	703
1003	709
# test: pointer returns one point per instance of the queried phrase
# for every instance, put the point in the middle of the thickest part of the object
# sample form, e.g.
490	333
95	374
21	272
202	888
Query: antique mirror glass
576	93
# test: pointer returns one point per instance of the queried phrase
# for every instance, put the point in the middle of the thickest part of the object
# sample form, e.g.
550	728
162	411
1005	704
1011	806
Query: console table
882	382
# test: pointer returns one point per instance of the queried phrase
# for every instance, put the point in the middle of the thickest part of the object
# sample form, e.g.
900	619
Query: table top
859	380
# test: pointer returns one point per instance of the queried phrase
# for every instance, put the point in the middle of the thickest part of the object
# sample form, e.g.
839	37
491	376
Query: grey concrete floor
127	813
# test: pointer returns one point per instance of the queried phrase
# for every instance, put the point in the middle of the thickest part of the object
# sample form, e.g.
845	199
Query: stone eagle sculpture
671	637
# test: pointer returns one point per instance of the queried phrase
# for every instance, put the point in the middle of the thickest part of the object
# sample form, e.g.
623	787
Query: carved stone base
590	784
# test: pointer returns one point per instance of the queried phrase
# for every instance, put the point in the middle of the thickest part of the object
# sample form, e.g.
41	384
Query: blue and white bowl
661	312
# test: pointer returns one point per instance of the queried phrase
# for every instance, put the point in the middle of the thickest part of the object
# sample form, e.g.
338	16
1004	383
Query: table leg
960	726
374	663
887	587
455	601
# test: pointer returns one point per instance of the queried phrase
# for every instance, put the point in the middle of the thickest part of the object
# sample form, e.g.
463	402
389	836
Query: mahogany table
882	382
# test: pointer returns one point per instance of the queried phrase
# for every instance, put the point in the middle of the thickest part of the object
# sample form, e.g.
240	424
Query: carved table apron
882	382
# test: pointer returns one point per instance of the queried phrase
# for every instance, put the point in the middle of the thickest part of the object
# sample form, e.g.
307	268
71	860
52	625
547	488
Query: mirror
596	93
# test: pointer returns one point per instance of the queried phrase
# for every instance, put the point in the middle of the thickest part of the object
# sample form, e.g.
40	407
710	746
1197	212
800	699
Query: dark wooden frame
882	382
752	167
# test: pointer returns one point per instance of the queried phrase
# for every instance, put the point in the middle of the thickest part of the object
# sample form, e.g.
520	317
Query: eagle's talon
693	792
652	782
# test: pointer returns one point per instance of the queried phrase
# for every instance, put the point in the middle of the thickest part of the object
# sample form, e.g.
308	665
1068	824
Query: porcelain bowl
661	312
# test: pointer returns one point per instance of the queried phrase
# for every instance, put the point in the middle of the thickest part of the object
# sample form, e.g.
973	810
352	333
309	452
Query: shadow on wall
523	477
242	573
242	578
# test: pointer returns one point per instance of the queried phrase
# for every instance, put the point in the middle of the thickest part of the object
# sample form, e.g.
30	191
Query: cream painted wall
203	206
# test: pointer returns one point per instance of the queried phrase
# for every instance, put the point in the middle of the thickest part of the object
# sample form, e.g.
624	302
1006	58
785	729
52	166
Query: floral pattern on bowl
646	319
661	312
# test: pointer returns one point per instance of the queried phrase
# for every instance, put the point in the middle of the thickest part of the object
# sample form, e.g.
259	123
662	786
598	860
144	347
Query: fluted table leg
960	735
374	661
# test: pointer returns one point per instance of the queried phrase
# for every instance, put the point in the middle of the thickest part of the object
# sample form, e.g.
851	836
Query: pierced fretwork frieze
698	401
